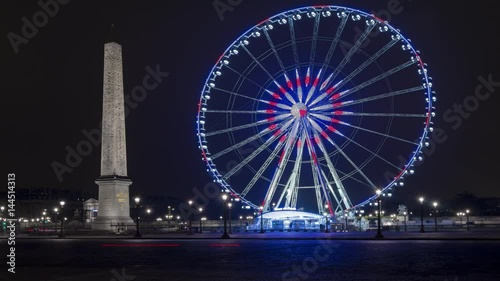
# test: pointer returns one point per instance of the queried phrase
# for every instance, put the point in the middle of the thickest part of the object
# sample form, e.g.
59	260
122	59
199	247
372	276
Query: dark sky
52	88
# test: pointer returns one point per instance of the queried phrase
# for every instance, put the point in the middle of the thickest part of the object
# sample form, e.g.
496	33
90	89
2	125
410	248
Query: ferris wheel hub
299	110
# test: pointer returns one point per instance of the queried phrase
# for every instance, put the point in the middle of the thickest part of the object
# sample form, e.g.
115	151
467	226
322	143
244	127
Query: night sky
52	88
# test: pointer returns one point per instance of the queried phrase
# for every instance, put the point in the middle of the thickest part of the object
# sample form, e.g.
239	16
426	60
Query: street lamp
404	214
346	217
224	198
326	219
467	212
261	209
435	204
200	210
56	213
137	233
62	203
148	212
421	199
202	219
43	220
379	213
229	206
460	214
190	202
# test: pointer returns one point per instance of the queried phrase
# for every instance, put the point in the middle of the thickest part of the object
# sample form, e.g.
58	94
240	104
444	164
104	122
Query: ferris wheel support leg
281	166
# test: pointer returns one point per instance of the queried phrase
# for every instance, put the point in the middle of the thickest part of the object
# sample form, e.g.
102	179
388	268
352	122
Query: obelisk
114	206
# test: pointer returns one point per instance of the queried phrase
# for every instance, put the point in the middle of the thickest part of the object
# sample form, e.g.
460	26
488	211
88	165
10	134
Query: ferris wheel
315	108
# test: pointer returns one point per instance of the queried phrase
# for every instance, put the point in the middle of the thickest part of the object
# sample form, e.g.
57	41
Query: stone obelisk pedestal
114	202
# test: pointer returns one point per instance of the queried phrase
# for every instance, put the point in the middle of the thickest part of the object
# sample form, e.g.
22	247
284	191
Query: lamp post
460	216
56	213
190	231
200	210
62	203
43	221
201	225
379	213
229	206
169	217
261	211
326	219
435	204
467	213
137	232
404	214
421	199
225	235
148	212
346	217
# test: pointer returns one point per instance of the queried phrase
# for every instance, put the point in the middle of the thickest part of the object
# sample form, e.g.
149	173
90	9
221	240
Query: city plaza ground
458	255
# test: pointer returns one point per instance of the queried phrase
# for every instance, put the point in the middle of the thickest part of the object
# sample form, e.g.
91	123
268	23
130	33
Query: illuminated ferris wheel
315	108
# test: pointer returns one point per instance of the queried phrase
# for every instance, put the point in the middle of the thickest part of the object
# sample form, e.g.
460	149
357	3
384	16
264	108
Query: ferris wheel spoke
367	63
283	160
282	90
373	153
365	114
344	176
246	126
276	128
262	169
280	62
325	94
254	154
294	42
354	49
373	80
267	111
335	121
315	176
335	197
314	41
246	78
317	171
299	85
291	192
334	130
271	103
333	171
331	50
378	97
323	133
314	86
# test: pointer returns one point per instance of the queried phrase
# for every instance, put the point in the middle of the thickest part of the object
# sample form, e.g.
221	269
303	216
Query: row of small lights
137	200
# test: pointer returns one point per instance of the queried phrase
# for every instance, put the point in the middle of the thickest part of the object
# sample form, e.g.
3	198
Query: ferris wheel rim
287	14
